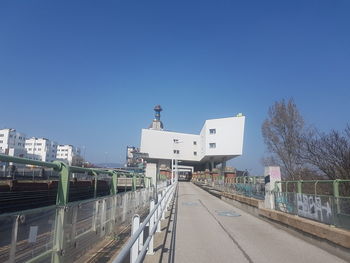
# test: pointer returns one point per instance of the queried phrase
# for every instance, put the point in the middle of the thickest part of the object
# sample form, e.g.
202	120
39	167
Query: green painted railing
65	172
299	187
62	200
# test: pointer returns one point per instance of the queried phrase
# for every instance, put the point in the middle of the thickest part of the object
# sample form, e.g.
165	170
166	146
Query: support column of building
212	165
223	168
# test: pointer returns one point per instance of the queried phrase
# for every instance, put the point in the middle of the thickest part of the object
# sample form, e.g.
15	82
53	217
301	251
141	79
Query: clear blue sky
90	72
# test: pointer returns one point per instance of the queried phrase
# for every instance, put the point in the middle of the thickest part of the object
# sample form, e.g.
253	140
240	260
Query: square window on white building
176	151
195	153
194	143
1	135
212	145
212	131
176	140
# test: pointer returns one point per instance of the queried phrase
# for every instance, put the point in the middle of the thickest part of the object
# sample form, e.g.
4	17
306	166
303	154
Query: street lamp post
174	176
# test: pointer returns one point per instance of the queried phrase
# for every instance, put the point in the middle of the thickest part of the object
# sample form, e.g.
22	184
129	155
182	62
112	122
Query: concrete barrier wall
336	235
243	199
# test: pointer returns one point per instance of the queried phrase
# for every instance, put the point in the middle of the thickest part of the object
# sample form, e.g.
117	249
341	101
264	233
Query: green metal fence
250	186
65	231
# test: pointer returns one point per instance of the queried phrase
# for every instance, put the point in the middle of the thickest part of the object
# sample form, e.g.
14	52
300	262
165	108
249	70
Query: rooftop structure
157	123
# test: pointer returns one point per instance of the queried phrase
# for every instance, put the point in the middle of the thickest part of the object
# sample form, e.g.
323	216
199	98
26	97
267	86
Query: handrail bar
56	165
127	247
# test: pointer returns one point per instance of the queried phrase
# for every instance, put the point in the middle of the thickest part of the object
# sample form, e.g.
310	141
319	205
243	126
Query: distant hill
110	165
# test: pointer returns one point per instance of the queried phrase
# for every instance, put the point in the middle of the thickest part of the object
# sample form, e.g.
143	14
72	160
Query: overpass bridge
206	220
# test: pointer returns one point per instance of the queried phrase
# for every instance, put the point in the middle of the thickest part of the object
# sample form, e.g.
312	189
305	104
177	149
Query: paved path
203	235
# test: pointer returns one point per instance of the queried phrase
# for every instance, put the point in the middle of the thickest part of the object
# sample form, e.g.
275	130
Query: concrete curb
335	235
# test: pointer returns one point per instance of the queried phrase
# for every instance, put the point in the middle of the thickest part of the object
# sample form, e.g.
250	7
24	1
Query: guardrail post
158	214
151	225
336	194
135	247
103	218
133	182
14	234
163	206
114	191
299	184
74	221
61	213
141	241
95	214
114	183
95	184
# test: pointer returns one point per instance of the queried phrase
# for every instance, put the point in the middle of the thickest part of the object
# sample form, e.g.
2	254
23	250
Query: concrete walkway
210	230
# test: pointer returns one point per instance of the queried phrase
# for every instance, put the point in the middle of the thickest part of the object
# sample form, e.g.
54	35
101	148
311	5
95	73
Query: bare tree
330	153
283	135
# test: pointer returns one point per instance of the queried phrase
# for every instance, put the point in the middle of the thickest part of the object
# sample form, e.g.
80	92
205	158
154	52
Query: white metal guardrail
135	246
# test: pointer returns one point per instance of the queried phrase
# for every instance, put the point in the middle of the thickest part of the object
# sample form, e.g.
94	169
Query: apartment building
12	143
68	153
41	149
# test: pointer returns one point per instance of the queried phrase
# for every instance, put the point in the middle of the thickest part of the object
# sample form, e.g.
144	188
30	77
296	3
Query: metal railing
65	231
251	186
135	246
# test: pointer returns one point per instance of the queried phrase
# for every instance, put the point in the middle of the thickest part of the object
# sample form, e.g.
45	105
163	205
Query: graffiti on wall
315	207
310	206
284	202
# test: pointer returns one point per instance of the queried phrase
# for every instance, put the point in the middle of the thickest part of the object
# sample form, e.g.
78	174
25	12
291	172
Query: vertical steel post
151	224
135	247
95	183
114	183
94	218
12	256
336	194
133	182
316	187
74	221
114	191
125	182
158	214
300	182
103	218
163	205
61	212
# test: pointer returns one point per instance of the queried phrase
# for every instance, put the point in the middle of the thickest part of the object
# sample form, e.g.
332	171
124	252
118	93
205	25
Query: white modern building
68	153
41	149
12	143
218	141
